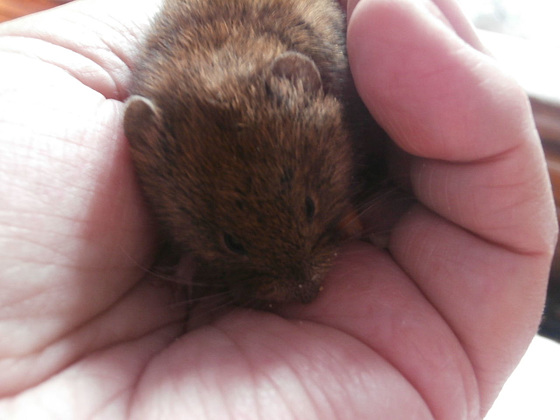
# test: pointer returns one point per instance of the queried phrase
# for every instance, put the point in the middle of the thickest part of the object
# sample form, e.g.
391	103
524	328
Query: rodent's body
238	133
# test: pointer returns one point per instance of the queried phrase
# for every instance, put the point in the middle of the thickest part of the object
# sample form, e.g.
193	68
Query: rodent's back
208	42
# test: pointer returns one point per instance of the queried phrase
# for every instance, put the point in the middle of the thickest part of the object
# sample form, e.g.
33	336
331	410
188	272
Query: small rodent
240	125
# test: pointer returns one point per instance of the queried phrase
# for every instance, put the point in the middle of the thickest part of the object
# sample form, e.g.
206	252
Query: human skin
429	328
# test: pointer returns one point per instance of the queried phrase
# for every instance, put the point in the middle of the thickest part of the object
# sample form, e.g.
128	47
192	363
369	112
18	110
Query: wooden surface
10	9
546	112
552	151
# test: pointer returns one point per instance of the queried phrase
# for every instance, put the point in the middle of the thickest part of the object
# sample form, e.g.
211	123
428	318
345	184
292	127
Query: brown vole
241	134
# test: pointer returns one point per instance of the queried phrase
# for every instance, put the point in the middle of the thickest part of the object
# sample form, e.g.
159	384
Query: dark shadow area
550	325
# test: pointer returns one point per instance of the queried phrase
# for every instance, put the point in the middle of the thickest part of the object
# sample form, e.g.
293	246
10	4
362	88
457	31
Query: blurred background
536	20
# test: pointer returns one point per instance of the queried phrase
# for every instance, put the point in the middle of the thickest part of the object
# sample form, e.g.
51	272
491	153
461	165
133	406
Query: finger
444	101
440	99
448	11
435	67
478	167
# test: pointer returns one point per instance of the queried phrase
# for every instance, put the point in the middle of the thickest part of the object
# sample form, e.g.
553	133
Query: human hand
431	328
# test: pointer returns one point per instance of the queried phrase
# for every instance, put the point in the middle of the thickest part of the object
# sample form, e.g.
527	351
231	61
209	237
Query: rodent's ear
298	67
141	119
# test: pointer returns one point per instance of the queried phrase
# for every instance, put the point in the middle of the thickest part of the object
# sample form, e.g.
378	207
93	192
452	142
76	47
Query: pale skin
430	328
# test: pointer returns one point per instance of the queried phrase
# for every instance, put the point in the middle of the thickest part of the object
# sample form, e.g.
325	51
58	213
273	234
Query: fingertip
435	94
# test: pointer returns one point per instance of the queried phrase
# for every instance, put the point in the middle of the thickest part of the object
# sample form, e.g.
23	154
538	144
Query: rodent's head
252	177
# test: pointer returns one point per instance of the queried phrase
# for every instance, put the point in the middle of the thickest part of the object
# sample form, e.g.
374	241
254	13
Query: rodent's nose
308	292
290	291
308	284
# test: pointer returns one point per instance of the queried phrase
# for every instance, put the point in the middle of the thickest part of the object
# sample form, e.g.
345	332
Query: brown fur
240	142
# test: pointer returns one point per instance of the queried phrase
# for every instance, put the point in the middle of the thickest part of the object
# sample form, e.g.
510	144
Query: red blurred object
11	9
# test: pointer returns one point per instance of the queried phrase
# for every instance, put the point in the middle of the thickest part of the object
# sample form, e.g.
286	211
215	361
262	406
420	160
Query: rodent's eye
233	244
309	208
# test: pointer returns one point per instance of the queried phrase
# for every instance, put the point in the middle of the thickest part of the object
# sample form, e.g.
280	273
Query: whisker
378	210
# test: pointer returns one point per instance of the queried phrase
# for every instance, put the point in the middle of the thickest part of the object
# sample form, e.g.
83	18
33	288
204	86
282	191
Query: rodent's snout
289	290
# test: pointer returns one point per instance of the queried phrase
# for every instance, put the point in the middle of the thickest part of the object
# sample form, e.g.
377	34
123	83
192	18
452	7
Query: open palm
430	328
